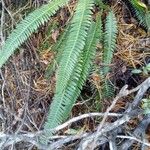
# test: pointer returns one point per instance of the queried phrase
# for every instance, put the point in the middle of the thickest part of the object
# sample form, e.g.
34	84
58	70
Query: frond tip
27	26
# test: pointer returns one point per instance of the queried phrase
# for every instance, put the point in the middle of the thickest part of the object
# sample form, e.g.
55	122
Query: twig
7	10
122	93
137	132
107	128
7	139
142	90
133	138
2	23
75	119
2	88
112	145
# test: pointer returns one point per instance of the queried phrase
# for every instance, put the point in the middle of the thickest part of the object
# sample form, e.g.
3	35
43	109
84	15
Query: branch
9	139
142	88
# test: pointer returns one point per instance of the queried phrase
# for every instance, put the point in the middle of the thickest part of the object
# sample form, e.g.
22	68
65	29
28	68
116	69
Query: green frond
110	36
64	101
139	5
76	40
27	26
140	11
147	18
108	89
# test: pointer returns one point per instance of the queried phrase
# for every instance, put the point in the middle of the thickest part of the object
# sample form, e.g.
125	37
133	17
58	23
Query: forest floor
26	92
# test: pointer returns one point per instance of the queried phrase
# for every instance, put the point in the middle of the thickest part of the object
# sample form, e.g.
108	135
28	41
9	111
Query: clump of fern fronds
73	71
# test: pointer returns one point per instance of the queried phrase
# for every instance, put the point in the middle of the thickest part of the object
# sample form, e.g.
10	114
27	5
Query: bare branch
124	92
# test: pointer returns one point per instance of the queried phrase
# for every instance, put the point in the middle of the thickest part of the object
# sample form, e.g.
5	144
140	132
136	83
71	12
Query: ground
26	92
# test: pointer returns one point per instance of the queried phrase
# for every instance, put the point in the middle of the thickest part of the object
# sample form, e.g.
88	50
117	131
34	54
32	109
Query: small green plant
145	70
75	50
146	105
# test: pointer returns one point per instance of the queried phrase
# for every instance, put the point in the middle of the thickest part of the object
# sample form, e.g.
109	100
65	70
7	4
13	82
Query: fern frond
27	26
140	11
108	89
110	36
76	40
147	18
64	101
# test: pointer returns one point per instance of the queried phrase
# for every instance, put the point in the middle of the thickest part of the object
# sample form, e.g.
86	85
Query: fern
109	46
76	41
80	24
109	41
107	89
27	26
74	46
76	49
63	102
147	17
140	11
